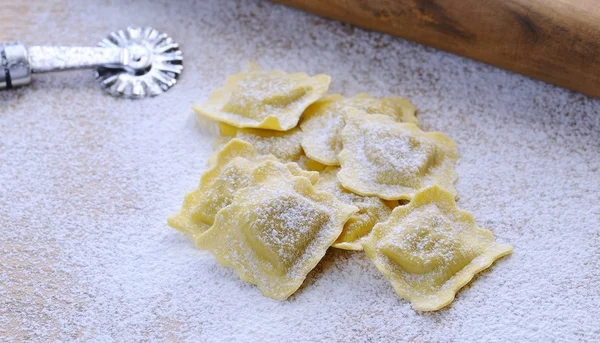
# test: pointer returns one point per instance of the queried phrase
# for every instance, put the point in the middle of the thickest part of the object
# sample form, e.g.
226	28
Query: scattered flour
87	182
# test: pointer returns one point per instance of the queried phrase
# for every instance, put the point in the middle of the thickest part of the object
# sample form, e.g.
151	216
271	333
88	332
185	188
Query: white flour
87	182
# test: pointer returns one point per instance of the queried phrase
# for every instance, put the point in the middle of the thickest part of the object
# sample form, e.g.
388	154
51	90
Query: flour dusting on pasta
285	145
371	210
324	120
272	226
275	231
429	249
264	99
391	160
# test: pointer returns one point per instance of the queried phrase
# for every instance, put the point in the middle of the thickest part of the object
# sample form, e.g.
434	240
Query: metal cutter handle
17	62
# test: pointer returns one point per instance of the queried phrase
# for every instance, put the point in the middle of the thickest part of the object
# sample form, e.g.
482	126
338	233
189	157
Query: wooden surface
557	41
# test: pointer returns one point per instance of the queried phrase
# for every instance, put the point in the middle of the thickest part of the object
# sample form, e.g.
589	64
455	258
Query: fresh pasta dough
263	99
391	160
357	173
308	164
231	169
371	210
274	232
285	145
324	120
429	249
184	220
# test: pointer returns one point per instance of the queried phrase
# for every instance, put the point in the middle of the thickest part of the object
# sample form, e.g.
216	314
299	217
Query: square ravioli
276	231
263	99
429	249
371	210
230	169
391	160
285	145
323	121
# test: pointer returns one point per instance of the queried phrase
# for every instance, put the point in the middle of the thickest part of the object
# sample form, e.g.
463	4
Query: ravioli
429	249
308	164
263	99
356	174
230	170
285	145
324	120
218	143
371	210
184	221
391	160
275	231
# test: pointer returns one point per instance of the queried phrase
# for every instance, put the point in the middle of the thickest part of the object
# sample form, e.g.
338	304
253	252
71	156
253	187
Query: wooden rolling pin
557	41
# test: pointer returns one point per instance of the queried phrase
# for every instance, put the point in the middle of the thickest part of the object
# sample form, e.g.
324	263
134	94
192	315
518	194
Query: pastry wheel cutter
130	63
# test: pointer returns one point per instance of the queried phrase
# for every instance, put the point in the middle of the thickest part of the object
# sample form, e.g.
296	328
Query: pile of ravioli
296	171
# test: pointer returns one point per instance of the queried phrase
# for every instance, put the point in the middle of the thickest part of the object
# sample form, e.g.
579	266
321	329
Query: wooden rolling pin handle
557	41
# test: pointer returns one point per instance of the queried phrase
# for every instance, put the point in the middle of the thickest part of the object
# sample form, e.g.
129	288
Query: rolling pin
557	41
